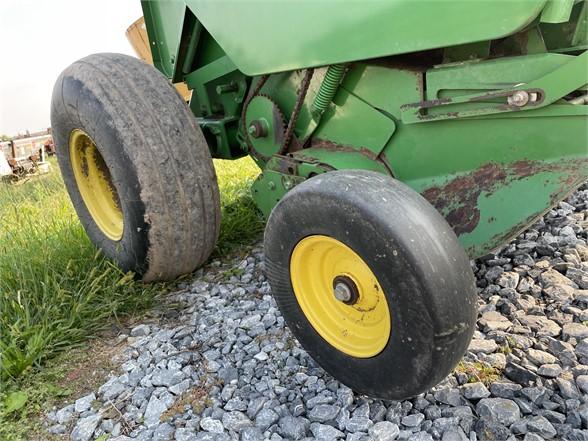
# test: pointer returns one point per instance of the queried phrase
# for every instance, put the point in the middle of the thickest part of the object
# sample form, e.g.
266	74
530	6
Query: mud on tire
150	160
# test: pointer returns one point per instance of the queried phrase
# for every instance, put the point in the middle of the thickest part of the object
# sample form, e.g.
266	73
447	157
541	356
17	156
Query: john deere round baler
397	140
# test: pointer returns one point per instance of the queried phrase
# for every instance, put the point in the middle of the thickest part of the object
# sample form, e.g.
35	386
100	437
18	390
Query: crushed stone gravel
225	367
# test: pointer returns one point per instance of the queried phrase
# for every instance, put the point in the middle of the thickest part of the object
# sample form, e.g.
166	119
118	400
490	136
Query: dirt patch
71	375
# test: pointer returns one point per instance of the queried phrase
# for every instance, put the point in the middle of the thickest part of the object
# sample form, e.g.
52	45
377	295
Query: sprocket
265	126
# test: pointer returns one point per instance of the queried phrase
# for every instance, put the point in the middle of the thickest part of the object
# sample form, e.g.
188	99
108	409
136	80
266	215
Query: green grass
240	223
57	290
64	378
478	372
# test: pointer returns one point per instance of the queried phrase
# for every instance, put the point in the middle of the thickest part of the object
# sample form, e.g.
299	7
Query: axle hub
345	290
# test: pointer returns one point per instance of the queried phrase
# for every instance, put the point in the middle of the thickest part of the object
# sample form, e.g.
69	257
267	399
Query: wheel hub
340	296
345	290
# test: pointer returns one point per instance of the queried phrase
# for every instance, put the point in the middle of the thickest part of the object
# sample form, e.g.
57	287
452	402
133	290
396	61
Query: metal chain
296	111
304	85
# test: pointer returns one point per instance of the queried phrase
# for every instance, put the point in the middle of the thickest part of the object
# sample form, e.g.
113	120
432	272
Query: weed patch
478	372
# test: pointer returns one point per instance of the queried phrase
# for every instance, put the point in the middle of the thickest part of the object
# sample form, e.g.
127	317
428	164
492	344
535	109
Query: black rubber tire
422	268
157	156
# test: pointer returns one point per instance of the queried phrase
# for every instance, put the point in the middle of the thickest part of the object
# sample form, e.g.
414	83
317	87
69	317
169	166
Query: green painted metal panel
557	11
353	123
495	74
513	206
273	36
338	158
384	87
345	112
164	20
541	92
271	186
491	177
490	174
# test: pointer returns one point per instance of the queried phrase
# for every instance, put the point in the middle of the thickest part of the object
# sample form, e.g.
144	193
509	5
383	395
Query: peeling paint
457	199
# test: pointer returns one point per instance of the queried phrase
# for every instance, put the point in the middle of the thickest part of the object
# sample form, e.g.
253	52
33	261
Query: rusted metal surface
285	164
21	168
457	199
330	146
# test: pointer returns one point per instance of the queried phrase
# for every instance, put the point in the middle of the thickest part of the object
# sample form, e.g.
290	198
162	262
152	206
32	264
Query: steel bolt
257	128
519	99
342	292
227	88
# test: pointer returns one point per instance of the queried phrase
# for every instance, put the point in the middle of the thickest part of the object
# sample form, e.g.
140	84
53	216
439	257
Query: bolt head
520	98
258	128
342	292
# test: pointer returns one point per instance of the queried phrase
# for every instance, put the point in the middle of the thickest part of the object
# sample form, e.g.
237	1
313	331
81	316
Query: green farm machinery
396	139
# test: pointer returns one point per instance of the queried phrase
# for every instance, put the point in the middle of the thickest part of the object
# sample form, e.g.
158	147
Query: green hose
328	88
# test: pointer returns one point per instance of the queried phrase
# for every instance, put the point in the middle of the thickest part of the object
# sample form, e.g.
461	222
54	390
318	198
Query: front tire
372	281
136	166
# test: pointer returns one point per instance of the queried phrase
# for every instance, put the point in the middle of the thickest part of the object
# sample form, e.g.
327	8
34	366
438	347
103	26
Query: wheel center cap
345	290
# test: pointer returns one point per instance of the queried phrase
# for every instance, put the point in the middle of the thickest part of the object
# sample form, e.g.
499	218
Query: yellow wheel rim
95	185
340	296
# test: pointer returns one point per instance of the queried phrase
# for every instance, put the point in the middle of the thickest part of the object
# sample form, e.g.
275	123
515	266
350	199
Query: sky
40	38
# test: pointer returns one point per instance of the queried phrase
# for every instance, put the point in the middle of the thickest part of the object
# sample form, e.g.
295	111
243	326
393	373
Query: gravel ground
226	367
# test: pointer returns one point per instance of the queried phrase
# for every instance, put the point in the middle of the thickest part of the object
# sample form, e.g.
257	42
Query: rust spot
463	220
103	170
464	216
331	146
428	104
457	199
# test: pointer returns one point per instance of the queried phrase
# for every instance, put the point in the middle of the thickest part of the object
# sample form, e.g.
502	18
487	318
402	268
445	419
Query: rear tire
136	166
372	281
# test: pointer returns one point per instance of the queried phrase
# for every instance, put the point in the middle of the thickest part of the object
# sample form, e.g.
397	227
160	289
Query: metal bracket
533	95
557	11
